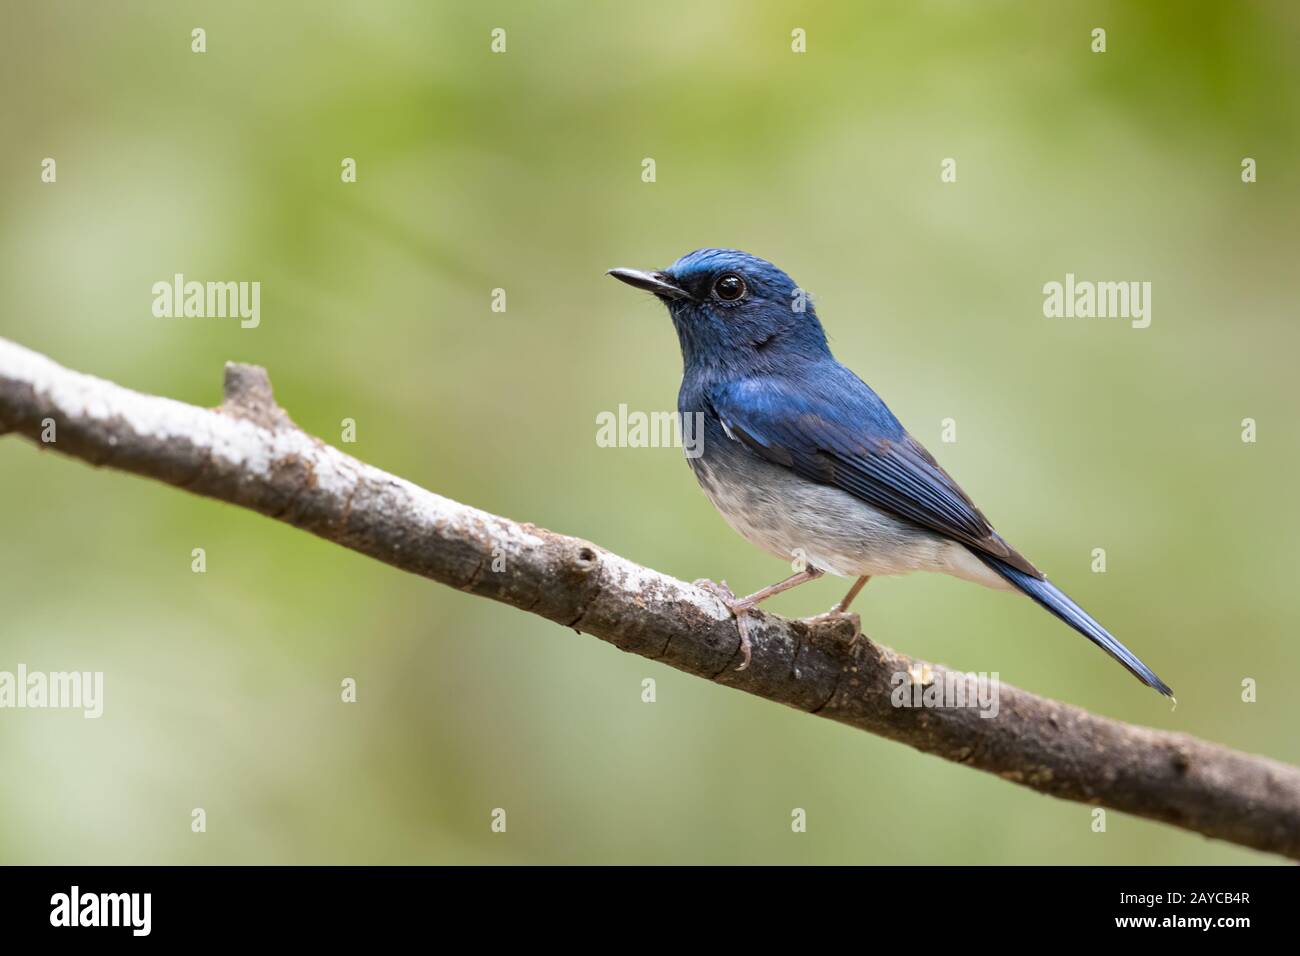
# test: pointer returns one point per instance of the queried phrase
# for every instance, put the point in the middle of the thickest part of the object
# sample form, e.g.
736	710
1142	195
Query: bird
804	460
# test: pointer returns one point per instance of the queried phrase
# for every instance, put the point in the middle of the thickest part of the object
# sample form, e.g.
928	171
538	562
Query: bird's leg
741	607
858	585
841	610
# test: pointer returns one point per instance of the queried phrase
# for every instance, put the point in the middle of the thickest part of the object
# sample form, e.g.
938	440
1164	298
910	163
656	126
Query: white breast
830	529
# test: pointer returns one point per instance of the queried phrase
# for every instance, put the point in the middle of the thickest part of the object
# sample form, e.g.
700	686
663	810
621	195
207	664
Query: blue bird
805	461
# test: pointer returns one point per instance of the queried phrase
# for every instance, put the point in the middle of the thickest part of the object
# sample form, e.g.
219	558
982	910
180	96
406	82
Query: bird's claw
743	622
835	614
741	614
720	591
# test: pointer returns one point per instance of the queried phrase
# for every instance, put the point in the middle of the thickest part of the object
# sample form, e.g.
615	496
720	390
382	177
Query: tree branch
247	452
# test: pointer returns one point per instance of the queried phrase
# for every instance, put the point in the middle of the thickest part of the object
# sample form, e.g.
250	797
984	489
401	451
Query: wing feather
855	444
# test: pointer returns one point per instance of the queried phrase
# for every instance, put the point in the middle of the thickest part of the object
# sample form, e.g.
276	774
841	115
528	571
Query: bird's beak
655	282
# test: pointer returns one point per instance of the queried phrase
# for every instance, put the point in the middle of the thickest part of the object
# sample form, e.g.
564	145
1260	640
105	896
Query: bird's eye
729	287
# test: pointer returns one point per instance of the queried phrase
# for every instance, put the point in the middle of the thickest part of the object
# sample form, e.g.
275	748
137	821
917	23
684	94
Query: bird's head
735	310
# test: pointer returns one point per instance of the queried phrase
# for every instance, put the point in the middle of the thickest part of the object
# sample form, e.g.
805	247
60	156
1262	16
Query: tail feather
1055	600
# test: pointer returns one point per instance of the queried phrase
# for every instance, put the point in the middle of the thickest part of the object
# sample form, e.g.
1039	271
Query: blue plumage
1049	596
803	459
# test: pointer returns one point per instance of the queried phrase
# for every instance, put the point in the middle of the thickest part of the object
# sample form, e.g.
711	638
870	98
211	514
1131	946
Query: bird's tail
1055	600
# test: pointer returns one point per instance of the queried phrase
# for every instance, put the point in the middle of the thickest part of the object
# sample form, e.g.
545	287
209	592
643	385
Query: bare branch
248	452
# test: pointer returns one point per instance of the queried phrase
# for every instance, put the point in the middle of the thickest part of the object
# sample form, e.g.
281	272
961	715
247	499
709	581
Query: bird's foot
720	591
836	614
741	613
744	621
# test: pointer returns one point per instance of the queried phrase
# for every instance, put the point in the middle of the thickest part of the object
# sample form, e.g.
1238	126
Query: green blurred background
523	171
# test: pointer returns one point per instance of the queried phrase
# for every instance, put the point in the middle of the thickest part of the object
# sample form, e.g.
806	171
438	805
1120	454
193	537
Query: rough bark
249	453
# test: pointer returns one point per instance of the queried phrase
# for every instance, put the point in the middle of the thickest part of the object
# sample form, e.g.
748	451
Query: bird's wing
841	434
